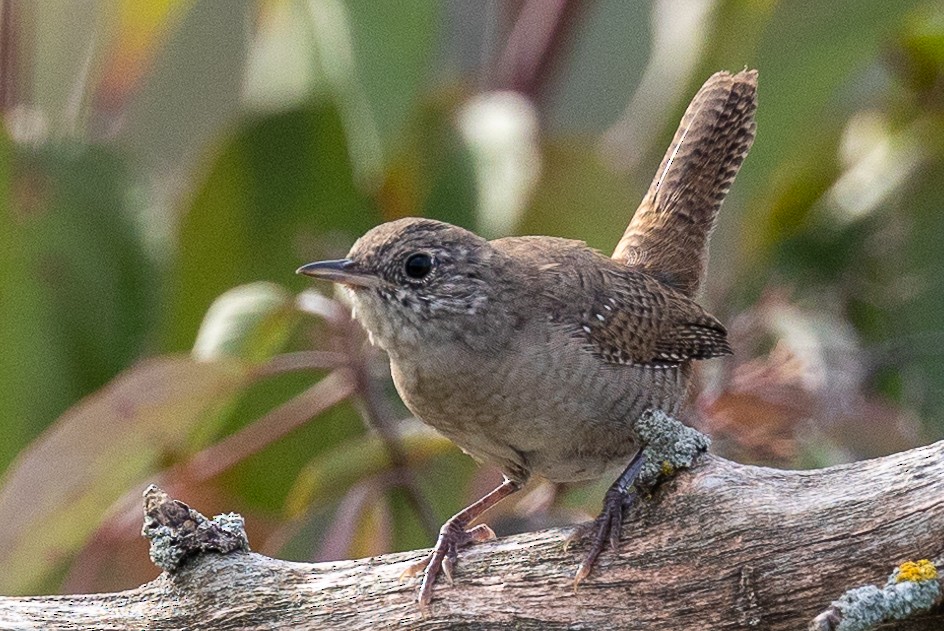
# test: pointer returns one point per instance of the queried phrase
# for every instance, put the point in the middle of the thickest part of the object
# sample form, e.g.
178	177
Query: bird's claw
606	527
415	568
452	536
480	534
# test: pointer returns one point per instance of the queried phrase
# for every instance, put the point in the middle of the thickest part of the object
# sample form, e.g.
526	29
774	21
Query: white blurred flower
877	161
501	130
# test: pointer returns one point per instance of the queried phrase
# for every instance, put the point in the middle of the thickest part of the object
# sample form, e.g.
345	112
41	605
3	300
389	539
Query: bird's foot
452	536
606	527
609	525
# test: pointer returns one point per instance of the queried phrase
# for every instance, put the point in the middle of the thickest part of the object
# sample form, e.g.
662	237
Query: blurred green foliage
163	172
280	179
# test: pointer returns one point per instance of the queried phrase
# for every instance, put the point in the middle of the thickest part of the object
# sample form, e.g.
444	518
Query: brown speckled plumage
668	235
627	316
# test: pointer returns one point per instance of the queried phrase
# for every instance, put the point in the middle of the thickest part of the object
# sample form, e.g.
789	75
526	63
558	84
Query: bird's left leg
609	524
670	445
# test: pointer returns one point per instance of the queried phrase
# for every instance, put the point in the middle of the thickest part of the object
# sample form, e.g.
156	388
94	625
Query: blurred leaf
27	360
500	132
443	471
194	82
140	24
373	531
444	481
361	525
807	54
93	265
280	193
915	324
79	284
60	488
922	49
451	176
604	60
392	44
265	479
734	33
578	197
67	46
433	175
786	224
128	38
280	70
250	322
329	476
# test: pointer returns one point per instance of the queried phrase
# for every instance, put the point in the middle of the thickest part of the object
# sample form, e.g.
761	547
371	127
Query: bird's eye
418	265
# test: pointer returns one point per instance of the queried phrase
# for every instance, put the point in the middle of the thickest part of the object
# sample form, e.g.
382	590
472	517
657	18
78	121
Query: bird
536	354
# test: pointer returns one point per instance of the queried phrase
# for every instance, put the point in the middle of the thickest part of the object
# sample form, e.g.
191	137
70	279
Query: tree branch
724	546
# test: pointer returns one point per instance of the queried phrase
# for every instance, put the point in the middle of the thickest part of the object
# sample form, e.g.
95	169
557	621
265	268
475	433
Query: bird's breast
547	407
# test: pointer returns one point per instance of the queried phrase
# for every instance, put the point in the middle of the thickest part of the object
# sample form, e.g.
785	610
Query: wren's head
414	280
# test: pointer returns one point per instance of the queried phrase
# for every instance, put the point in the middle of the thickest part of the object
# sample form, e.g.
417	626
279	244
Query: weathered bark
724	546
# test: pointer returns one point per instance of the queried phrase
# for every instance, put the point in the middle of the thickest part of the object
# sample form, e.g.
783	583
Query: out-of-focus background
166	165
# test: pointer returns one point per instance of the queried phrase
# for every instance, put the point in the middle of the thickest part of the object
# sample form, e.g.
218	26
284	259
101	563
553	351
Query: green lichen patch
670	446
911	589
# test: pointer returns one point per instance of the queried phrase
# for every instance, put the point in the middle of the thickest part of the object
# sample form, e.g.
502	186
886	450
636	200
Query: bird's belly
562	420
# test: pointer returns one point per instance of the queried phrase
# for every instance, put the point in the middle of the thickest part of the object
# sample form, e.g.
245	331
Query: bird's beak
342	271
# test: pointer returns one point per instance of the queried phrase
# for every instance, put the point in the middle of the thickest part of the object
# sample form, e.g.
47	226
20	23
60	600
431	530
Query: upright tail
668	235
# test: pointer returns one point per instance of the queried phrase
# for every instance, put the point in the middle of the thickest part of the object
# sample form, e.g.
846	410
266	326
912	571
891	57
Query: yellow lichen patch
922	570
667	468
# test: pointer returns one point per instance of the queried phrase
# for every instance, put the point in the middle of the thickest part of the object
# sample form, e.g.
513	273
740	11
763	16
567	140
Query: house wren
538	354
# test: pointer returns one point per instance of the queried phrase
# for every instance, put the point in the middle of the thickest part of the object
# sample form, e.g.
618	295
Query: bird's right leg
452	536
